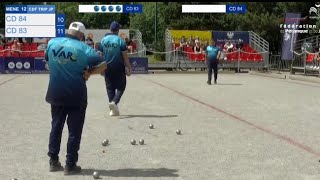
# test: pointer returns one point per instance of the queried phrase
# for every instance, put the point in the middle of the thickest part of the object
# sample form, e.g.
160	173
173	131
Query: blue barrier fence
11	65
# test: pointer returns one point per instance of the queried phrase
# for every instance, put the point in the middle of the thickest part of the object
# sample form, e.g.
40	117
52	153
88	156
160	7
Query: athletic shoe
208	82
111	113
72	170
215	82
113	107
55	165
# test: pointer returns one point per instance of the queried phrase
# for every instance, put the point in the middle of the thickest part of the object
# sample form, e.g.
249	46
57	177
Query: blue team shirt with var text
68	58
112	47
212	53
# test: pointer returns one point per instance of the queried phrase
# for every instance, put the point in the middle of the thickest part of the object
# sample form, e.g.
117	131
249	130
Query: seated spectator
190	41
16	47
183	43
89	40
197	48
3	42
129	44
197	40
228	46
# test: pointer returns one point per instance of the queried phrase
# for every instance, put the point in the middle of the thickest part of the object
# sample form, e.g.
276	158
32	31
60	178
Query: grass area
152	59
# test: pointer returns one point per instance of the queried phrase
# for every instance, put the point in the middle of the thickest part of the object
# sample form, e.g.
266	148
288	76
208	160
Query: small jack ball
141	142
151	126
105	142
178	132
96	175
133	142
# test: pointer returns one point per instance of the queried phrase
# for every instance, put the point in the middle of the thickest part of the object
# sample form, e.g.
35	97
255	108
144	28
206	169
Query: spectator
197	48
89	40
3	42
228	46
16	46
240	44
129	44
183	43
191	40
197	40
20	41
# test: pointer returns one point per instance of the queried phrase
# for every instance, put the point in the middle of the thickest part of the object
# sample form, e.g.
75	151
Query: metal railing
169	46
313	40
141	50
260	45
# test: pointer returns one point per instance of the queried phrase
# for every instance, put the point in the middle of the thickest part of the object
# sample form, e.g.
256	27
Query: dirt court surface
244	128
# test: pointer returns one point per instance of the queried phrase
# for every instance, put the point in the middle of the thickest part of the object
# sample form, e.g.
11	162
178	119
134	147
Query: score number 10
60	25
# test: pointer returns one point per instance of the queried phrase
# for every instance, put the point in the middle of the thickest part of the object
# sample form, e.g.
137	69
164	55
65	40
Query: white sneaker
114	109
111	113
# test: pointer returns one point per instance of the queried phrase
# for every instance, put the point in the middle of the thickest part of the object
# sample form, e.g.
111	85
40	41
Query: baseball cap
114	26
78	26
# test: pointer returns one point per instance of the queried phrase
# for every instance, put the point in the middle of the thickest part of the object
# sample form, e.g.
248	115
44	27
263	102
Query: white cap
78	26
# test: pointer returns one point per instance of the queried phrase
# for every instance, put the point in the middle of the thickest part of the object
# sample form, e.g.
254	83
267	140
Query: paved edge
305	78
271	75
187	72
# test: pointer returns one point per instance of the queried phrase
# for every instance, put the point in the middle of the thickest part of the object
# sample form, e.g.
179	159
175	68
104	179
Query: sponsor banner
139	65
289	39
1	65
40	66
203	35
221	37
18	65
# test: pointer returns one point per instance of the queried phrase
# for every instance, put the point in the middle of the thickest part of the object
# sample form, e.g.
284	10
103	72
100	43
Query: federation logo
11	65
230	35
19	65
314	12
134	63
26	65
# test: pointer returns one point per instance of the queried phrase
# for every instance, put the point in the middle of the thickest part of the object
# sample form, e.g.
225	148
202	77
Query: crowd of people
199	46
17	45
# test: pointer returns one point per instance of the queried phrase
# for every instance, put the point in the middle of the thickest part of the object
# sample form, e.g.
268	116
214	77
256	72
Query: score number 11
60	25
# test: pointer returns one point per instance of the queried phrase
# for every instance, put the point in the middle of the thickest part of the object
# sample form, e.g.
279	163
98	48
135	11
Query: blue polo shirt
112	47
68	58
212	53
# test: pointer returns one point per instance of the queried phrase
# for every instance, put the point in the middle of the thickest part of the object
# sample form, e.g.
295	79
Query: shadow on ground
146	116
160	172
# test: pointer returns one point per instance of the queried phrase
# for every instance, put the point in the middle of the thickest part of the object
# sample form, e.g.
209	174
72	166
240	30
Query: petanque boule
141	142
96	175
178	132
151	126
133	142
105	142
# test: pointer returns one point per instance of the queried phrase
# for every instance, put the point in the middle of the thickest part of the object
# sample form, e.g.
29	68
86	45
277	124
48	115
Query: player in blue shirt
212	60
115	50
68	58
